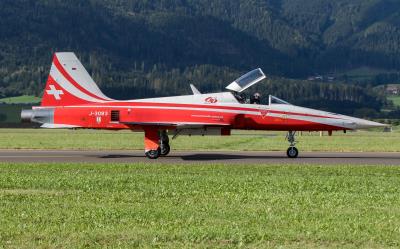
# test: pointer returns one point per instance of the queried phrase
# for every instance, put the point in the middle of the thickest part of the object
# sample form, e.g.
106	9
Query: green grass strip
198	206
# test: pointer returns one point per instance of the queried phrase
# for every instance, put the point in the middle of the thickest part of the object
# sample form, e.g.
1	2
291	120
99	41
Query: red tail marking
55	95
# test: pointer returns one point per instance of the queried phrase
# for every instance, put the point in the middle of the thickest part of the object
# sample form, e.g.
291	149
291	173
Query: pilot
255	99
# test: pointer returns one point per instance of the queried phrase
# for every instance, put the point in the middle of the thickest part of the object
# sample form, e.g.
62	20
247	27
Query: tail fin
70	84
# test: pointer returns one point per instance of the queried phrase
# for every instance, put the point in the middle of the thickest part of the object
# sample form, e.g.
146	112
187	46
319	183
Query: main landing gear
292	151
153	154
156	143
164	143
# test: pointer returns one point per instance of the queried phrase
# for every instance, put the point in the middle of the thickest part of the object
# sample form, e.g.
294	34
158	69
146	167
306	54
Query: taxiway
259	157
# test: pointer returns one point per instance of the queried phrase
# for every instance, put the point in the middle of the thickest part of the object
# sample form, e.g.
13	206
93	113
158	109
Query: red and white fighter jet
72	99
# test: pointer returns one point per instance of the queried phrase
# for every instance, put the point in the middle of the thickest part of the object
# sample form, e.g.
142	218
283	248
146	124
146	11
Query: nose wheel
292	151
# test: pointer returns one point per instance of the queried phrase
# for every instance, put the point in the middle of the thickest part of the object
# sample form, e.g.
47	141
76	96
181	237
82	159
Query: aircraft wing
179	125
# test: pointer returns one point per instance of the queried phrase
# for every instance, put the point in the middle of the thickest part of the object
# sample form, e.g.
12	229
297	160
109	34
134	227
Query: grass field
395	99
361	74
198	206
240	141
25	99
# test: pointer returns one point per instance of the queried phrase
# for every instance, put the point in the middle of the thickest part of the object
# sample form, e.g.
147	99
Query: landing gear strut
292	151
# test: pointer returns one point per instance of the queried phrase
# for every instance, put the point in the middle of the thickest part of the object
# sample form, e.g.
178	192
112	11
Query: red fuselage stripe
176	105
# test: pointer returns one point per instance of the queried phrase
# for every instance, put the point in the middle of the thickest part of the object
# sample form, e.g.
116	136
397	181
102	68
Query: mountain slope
138	48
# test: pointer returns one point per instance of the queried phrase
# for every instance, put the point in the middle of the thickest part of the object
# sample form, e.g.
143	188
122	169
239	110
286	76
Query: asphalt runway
324	158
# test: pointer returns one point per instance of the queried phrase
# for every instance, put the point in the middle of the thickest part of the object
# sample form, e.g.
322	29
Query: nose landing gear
292	151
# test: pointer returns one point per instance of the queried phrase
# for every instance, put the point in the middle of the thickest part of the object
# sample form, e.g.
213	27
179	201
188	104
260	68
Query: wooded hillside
141	48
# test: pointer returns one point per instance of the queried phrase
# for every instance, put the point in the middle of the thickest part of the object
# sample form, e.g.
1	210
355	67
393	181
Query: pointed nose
366	124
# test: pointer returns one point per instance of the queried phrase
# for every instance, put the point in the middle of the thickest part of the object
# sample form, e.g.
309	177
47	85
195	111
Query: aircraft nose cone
366	124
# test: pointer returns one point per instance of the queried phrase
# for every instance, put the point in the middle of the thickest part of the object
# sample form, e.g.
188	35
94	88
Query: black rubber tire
164	149
292	152
153	154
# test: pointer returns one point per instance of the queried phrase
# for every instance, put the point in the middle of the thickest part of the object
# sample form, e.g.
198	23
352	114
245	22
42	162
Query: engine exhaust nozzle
26	116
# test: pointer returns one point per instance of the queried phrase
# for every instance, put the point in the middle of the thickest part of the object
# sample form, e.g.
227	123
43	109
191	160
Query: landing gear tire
292	152
153	154
164	143
164	149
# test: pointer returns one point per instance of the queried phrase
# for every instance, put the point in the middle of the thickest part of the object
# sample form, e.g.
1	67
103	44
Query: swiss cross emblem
211	100
56	93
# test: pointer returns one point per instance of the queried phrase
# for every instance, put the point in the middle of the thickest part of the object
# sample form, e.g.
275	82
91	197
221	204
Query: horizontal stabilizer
58	126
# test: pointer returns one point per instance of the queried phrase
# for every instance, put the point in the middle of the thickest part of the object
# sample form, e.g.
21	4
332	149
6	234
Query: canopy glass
247	80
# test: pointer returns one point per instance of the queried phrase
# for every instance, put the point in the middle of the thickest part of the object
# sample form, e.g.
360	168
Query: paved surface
199	157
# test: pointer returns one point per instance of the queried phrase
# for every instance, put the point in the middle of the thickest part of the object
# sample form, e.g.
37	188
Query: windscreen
276	100
247	80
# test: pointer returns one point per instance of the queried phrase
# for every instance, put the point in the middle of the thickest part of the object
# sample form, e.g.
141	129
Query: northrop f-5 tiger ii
73	100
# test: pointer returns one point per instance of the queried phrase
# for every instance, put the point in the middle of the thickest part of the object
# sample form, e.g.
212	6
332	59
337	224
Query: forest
142	48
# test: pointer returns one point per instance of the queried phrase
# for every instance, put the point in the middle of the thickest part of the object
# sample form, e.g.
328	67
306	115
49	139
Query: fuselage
218	109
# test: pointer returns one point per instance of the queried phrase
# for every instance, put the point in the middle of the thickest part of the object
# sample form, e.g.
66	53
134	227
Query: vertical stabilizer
70	84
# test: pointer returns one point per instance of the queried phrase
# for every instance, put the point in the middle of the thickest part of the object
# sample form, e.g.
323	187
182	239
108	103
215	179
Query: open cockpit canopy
247	80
